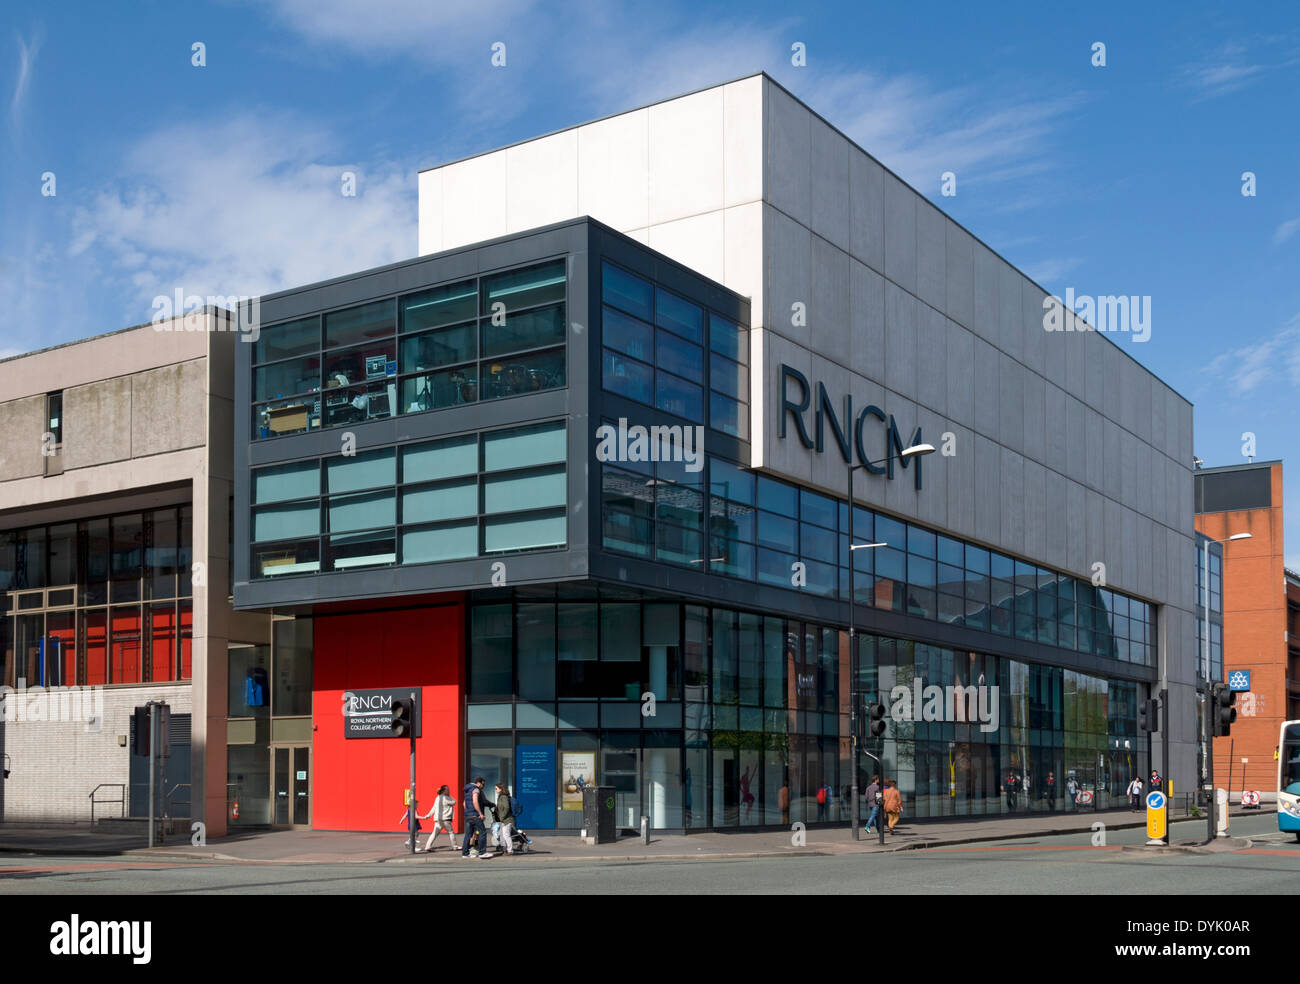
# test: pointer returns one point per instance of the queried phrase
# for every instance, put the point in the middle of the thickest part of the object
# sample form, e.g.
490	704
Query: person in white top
1135	794
443	812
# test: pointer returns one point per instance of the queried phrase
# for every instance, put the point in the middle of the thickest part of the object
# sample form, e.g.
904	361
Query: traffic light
403	708
1224	713
142	731
1149	715
876	719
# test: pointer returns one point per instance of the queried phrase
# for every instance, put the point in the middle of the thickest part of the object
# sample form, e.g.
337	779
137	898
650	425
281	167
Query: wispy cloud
1051	269
1275	359
27	52
1286	230
266	215
920	130
1230	68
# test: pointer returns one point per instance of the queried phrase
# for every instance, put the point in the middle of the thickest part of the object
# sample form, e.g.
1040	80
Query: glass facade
716	717
1215	564
666	352
765	530
489	492
485	338
98	601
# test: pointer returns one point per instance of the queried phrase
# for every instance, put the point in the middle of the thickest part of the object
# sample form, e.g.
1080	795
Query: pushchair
520	843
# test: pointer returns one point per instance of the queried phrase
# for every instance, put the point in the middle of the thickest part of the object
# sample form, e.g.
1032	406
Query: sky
130	171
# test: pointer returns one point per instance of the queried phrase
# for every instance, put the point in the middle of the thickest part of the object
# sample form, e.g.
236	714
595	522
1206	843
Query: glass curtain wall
98	601
705	717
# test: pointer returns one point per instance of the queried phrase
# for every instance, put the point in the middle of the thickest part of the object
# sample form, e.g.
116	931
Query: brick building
1261	608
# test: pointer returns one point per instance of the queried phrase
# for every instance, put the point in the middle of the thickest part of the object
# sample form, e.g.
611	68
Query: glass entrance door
291	786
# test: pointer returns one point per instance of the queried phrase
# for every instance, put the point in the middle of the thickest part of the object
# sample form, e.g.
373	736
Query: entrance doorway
291	786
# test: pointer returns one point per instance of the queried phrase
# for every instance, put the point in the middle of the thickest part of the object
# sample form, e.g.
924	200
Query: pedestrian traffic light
876	716
141	717
403	708
1224	711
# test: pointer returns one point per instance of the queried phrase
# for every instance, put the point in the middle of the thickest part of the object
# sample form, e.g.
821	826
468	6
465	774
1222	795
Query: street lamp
916	450
1207	743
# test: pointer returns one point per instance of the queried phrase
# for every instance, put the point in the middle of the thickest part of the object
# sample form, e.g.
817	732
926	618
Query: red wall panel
357	784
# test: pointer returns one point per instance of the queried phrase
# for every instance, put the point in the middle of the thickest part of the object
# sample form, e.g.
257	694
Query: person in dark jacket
475	807
505	817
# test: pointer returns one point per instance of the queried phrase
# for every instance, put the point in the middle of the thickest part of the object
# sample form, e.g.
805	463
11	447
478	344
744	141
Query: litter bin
598	815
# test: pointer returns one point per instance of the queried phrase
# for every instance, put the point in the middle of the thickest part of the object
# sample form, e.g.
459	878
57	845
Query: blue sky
1123	179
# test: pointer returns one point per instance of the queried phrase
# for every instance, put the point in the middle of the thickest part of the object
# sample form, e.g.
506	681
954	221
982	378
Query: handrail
168	803
121	787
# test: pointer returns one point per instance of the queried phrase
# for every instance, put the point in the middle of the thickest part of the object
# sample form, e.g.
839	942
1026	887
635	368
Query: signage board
1239	680
1156	814
369	713
535	786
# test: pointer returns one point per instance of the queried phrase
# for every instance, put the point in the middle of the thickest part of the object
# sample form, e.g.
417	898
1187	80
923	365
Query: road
1043	865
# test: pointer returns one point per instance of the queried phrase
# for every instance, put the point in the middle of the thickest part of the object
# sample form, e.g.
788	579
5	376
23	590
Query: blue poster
535	785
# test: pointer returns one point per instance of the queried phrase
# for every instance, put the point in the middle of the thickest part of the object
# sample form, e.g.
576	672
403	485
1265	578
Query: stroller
520	843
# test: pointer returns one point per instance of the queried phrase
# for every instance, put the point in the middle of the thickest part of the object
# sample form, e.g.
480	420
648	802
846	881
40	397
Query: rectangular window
679	316
626	291
524	447
627	377
449	541
439	306
284	341
537	328
54	417
516	289
365	323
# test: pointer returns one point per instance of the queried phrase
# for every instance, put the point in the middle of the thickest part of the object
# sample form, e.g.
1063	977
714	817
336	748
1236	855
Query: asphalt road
1044	865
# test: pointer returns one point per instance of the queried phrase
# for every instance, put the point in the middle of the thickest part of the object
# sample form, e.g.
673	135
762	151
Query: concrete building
115	491
821	314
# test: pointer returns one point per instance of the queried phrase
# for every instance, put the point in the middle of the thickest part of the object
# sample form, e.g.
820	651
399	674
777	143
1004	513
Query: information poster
577	769
535	786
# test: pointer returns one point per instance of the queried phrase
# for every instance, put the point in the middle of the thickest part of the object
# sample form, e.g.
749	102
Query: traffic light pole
410	817
1164	750
1210	709
153	764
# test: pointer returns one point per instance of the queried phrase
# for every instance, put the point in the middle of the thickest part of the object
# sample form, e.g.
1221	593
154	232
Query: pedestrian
1071	793
893	803
1134	794
824	796
443	813
506	818
1156	781
783	802
475	807
1050	790
406	823
1011	785
872	792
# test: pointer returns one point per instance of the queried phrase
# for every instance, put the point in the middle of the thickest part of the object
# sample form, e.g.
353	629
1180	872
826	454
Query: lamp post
914	451
1207	724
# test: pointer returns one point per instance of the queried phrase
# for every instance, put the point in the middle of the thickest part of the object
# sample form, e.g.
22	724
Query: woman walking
443	813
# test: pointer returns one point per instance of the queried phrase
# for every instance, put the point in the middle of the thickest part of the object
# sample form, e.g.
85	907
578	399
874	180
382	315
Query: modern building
115	498
577	477
1255	643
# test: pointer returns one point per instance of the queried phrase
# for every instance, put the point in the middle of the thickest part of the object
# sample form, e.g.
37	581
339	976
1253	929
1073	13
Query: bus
1288	778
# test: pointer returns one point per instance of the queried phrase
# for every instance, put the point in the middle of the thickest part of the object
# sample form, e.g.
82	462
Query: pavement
346	847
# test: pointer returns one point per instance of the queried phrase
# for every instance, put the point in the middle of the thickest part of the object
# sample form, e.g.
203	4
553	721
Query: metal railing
169	803
121	800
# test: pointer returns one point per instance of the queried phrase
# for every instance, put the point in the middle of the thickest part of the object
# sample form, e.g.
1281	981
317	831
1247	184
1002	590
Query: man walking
475	807
873	817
